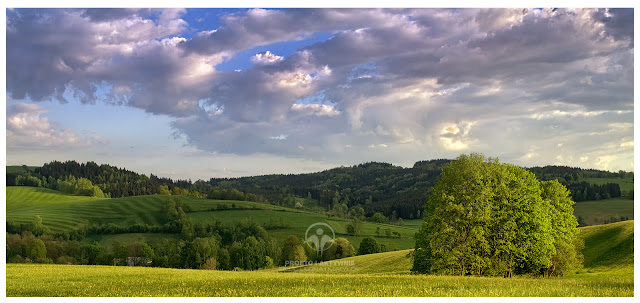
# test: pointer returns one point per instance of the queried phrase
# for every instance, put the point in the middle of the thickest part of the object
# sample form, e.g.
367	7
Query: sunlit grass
71	280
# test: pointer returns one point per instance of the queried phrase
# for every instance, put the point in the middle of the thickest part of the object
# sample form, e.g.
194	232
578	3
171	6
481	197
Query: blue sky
200	93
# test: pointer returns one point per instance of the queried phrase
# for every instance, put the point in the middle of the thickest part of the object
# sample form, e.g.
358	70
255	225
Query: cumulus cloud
26	128
265	58
528	85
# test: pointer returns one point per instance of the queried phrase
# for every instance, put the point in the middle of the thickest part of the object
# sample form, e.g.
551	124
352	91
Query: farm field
61	212
608	272
600	210
19	169
625	184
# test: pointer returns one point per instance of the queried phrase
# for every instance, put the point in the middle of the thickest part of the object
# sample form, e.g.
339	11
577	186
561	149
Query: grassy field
61	212
608	272
608	247
603	209
73	280
20	169
625	184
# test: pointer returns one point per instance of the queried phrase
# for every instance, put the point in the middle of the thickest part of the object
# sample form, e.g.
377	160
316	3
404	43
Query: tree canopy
489	218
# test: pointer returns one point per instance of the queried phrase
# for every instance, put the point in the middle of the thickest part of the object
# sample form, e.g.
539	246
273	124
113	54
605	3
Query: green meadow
608	272
608	252
625	184
595	212
61	212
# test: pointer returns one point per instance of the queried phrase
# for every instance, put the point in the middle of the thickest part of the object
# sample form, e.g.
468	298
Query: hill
607	247
608	272
394	191
394	262
61	212
596	212
14	169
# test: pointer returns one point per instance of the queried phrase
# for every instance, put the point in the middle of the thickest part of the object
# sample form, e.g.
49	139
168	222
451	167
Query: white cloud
315	109
266	58
422	82
27	128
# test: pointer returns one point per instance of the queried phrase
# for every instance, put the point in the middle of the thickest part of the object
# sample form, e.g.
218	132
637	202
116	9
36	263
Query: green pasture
600	210
625	184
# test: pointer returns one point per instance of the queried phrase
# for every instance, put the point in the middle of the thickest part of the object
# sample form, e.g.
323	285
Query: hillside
607	247
61	212
596	212
608	272
394	191
394	262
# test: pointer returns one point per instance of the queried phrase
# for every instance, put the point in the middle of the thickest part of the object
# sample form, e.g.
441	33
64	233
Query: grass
625	184
395	262
608	260
19	169
83	281
608	247
603	209
61	212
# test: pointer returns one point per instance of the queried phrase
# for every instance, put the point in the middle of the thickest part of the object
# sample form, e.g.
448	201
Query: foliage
339	248
487	218
354	228
292	251
369	245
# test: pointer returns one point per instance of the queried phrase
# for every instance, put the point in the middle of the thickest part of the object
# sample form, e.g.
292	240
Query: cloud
26	128
528	85
265	58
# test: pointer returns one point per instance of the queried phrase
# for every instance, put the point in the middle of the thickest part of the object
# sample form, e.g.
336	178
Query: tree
355	227
36	251
340	248
369	245
567	257
223	260
292	250
199	251
379	218
37	228
488	218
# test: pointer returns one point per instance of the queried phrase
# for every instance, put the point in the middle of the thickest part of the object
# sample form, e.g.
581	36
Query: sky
201	93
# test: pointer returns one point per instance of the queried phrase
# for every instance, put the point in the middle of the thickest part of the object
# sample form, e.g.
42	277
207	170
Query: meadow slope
608	272
61	212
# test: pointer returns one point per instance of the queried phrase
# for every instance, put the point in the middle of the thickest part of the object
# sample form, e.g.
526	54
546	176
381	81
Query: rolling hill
607	247
61	212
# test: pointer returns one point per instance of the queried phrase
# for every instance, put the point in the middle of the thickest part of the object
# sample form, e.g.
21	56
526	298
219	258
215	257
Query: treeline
575	174
584	191
581	190
91	179
373	186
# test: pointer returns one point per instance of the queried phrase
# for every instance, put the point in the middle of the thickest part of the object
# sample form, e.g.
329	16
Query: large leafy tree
488	218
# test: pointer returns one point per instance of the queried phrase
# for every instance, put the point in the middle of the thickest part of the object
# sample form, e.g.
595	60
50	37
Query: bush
369	245
65	260
210	264
15	259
